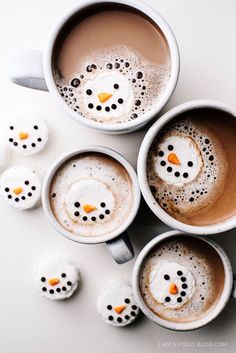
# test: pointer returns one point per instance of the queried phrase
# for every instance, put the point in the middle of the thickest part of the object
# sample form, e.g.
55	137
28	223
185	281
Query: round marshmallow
26	134
171	284
20	187
178	161
4	155
116	304
57	279
108	95
89	201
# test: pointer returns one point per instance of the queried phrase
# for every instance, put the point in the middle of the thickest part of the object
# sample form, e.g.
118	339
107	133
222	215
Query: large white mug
229	287
33	69
142	171
117	241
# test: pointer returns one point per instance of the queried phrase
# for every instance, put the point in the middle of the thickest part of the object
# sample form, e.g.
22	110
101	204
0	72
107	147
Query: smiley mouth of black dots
119	319
184	286
24	196
136	79
57	289
101	216
24	145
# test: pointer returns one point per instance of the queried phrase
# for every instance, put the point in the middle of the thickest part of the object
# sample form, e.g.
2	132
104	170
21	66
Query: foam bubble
198	180
141	84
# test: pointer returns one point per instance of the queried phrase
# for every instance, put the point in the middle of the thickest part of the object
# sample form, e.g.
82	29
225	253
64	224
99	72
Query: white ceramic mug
117	241
142	174
34	69
229	288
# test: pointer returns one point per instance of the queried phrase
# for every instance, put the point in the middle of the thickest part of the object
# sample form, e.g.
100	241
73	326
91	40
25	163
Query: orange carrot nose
23	135
18	190
172	158
103	97
89	208
173	289
119	309
53	281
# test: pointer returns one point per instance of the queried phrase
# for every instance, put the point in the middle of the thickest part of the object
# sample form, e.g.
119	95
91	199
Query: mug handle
26	69
121	248
233	293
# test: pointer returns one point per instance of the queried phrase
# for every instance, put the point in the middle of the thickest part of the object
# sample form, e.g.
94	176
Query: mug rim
217	228
213	313
90	239
166	95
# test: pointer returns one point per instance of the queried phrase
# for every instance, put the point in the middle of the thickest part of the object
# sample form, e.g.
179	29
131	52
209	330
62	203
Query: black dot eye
110	317
107	212
101	216
109	307
11	140
85	218
163	163
39	139
63	275
167	299
89	92
166	277
43	279
120	100
11	127
44	289
190	163
185	175
27	182
35	127
77	204
183	279
169	169
7	189
127	300
179	273
160	153
177	174
76	214
179	299
170	148
69	283
33	188
116	86
102	204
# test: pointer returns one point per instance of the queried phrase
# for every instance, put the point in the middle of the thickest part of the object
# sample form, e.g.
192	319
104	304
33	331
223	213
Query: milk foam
94	183
141	84
198	180
199	274
166	274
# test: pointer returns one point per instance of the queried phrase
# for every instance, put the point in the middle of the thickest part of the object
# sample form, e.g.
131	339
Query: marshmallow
4	155
26	134
57	279
20	187
116	304
171	284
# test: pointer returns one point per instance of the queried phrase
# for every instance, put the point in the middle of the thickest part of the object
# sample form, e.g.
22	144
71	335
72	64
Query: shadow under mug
117	241
229	287
142	171
34	69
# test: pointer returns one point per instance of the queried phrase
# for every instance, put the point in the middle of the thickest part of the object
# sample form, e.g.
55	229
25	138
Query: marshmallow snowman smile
171	284
108	95
178	160
89	201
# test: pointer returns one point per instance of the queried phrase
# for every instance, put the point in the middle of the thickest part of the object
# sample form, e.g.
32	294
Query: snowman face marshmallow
108	95
178	161
116	304
57	279
26	134
90	201
171	284
20	187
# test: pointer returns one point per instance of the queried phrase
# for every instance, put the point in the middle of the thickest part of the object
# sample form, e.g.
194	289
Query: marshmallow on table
4	155
116	304
57	279
20	187
26	134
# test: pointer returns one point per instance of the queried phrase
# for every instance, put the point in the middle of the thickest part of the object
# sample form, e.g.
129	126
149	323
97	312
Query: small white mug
117	241
142	173
33	69
229	289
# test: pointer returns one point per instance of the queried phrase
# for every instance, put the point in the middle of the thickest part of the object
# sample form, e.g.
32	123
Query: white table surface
206	32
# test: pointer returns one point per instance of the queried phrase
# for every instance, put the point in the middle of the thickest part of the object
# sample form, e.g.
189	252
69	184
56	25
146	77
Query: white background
206	31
